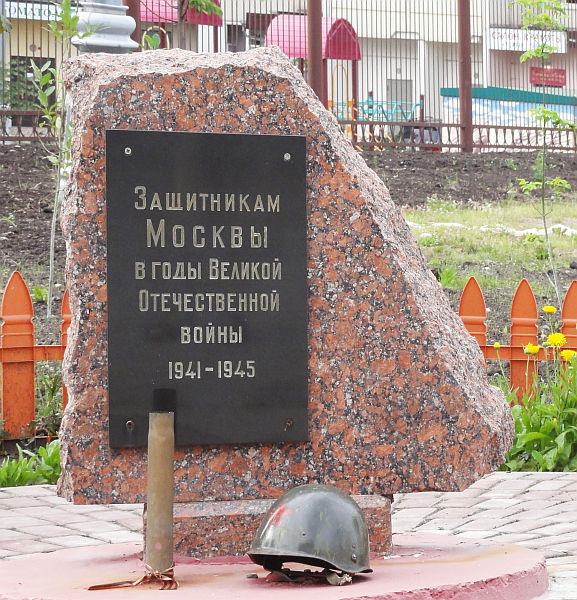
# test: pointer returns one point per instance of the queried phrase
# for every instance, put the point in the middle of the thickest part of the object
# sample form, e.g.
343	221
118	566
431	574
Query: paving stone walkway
535	510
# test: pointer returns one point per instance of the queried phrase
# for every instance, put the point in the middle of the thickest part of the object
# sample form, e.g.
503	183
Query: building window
256	25
235	38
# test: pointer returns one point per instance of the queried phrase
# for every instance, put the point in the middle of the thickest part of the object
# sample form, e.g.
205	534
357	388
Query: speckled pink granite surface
398	396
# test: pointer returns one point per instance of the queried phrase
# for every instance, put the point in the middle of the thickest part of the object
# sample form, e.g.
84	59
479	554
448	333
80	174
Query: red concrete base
208	529
424	567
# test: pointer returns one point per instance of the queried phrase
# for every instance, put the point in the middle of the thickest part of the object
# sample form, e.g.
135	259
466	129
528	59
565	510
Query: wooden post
325	98
473	312
354	116
569	316
66	320
134	12
17	341
523	331
315	47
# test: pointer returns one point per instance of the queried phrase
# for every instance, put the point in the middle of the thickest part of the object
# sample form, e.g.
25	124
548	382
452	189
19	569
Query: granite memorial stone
397	397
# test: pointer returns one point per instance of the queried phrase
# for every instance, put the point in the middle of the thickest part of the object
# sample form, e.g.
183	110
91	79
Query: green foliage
16	89
32	468
449	277
66	26
552	118
557	184
39	294
537	244
206	6
48	398
51	106
47	83
543	51
528	186
15	472
540	165
546	424
430	240
47	465
5	25
544	15
151	42
9	219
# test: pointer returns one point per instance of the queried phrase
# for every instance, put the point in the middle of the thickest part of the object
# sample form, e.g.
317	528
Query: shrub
32	468
546	420
47	465
15	472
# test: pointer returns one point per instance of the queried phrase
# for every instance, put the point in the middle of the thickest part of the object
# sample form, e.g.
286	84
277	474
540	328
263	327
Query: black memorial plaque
207	285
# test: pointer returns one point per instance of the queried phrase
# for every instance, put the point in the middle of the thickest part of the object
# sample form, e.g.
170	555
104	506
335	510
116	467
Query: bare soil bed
26	197
26	200
486	177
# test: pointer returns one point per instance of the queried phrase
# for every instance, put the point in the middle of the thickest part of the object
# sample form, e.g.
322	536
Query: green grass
491	242
450	277
454	235
35	275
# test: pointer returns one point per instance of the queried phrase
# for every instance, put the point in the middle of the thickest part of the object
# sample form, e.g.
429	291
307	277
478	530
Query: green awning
510	95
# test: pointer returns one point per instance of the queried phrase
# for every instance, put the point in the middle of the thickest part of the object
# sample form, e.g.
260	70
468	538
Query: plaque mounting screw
129	425
128	151
287	157
288	424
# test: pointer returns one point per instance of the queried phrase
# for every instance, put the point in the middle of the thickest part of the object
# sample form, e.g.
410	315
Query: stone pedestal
204	529
422	567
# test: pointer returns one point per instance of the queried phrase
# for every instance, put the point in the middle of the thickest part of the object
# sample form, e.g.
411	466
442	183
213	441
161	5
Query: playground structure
339	42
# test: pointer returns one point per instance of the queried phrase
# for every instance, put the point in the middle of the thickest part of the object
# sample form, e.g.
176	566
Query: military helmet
316	525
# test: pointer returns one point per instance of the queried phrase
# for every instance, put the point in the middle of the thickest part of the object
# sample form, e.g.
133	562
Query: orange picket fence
18	353
524	330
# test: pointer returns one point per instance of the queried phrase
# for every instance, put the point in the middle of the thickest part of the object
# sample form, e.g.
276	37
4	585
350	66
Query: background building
391	63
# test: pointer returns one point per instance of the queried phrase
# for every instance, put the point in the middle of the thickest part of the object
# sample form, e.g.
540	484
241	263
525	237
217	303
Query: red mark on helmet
277	516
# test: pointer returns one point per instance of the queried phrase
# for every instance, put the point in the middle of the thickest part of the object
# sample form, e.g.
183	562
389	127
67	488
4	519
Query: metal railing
398	62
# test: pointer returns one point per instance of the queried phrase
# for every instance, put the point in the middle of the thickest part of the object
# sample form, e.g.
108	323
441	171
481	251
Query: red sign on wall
548	76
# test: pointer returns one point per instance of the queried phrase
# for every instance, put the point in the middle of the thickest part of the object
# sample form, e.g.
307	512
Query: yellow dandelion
567	354
531	349
556	339
496	345
549	309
